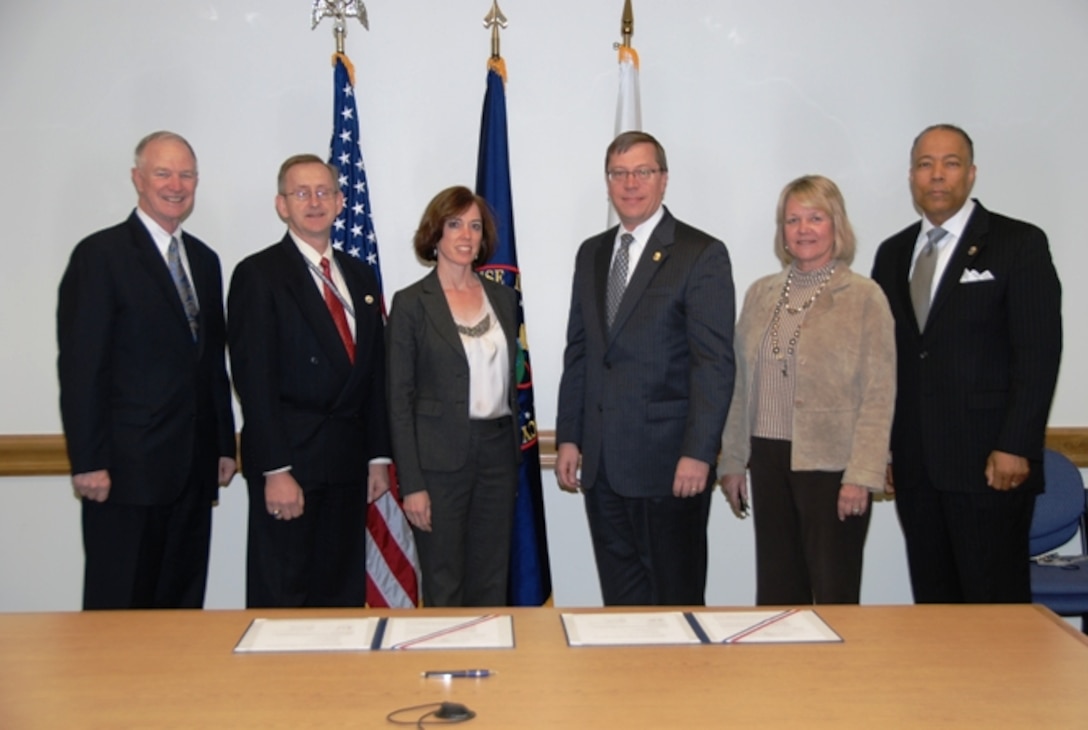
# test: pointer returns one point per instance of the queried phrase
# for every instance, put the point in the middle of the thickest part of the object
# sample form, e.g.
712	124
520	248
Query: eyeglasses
642	174
303	195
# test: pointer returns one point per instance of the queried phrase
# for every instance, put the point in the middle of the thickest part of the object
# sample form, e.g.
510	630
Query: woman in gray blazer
452	348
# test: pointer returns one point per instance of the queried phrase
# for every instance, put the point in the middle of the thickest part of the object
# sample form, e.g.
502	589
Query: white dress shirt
162	238
642	235
953	227
337	276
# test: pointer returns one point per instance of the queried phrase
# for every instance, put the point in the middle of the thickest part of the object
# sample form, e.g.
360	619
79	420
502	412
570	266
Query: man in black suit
144	394
308	360
647	380
977	306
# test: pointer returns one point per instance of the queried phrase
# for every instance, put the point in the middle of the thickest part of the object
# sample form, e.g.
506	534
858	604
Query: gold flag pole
627	25
339	11
496	20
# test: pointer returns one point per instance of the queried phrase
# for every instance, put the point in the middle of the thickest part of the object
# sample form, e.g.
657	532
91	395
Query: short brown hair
448	204
304	159
816	191
627	140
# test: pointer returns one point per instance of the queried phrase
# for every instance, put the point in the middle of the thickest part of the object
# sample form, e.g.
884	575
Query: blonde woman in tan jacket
812	409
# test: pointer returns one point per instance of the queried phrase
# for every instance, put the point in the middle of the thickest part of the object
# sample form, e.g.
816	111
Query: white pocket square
970	276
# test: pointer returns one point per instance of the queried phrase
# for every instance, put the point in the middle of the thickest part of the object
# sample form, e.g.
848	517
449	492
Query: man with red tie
308	360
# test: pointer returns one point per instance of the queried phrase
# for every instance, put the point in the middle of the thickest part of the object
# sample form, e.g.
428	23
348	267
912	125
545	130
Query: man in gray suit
647	380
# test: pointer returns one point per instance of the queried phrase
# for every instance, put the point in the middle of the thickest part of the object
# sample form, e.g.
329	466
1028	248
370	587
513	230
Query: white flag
628	105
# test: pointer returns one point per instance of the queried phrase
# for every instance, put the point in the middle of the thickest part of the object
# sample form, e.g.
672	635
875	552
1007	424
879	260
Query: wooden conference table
898	667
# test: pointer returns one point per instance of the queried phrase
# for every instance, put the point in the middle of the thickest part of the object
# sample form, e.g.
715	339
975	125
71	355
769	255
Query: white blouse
488	365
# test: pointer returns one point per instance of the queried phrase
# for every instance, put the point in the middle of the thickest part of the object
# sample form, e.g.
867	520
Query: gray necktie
921	283
184	286
617	277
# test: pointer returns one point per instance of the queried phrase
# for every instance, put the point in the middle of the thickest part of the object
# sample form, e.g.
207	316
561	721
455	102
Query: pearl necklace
784	301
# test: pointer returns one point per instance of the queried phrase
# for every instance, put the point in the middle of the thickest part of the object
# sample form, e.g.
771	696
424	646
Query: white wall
744	95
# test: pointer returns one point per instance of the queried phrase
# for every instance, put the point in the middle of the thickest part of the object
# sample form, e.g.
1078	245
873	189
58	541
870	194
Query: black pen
743	506
457	673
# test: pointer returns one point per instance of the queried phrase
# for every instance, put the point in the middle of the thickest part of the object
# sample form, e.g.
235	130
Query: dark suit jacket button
313	360
607	365
922	355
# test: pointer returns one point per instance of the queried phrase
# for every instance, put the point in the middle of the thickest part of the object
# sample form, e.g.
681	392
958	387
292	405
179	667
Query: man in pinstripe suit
647	380
977	306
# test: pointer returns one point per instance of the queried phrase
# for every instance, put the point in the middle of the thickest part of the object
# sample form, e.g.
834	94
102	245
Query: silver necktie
184	286
617	278
921	282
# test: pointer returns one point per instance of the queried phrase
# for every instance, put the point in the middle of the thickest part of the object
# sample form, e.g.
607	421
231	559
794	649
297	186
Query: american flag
392	568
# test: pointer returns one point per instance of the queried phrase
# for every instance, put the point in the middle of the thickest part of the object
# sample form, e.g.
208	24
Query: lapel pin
369	299
972	251
657	256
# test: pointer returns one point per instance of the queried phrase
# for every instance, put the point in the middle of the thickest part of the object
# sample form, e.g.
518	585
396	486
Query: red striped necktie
336	309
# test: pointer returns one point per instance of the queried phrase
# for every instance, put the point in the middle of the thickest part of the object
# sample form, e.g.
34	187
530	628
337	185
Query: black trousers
804	553
966	547
650	551
315	560
147	556
465	559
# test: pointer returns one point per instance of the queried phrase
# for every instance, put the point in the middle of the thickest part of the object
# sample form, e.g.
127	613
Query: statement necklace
477	330
776	318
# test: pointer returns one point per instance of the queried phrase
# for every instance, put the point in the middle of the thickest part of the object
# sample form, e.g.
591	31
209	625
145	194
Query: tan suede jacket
845	394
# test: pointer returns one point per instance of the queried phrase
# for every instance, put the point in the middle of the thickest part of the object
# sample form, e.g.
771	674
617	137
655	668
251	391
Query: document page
628	629
318	634
798	625
490	631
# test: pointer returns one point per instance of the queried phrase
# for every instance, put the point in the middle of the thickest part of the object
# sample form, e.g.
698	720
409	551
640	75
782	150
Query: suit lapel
201	274
602	261
967	249
654	254
300	286
899	299
438	312
151	260
363	301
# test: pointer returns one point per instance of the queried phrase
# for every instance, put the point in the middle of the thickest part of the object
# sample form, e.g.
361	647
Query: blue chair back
1059	508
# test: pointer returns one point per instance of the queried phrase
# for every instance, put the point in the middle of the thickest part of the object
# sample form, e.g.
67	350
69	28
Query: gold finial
627	23
495	20
338	10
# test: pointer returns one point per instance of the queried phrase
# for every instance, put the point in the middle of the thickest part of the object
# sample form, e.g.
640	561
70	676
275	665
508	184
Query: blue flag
530	574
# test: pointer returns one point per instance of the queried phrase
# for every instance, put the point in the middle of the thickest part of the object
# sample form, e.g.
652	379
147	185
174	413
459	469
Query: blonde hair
816	191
